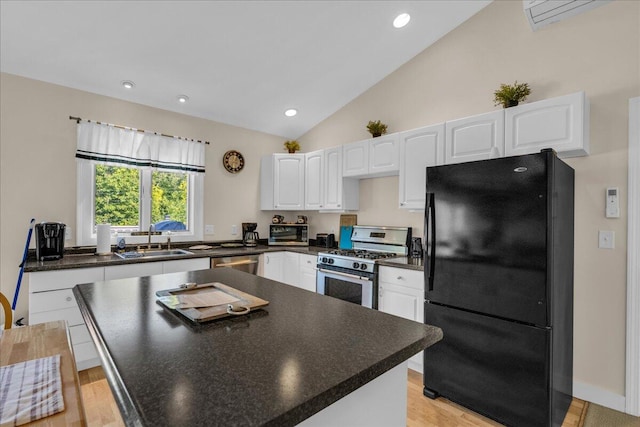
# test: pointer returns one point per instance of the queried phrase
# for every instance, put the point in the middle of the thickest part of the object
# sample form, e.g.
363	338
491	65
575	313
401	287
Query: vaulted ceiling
239	62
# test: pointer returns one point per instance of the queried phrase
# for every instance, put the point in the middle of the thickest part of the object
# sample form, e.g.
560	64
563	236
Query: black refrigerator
499	282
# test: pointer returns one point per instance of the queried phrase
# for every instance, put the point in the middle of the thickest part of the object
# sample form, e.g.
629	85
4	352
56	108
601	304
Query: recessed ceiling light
182	98
127	84
401	20
291	112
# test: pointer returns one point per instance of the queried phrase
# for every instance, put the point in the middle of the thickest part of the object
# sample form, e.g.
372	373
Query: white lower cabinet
307	272
272	265
292	268
401	293
51	297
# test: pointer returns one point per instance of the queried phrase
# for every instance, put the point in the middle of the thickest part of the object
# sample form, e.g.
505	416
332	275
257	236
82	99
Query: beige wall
597	52
38	169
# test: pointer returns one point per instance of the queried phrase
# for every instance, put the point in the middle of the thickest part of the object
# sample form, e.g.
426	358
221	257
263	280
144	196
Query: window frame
86	236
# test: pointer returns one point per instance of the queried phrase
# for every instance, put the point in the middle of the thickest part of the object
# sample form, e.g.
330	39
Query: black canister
416	248
49	240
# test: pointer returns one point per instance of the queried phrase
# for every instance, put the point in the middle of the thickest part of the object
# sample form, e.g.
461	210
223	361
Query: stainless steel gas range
352	274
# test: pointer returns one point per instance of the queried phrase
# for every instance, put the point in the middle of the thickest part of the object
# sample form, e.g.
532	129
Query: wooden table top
42	340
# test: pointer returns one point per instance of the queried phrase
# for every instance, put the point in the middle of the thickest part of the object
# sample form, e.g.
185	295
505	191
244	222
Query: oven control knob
363	267
324	259
330	261
356	265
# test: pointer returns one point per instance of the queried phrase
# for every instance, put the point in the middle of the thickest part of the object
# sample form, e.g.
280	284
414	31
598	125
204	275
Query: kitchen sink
153	253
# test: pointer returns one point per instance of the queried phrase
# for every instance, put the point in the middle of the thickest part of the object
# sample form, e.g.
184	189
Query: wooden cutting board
204	293
348	219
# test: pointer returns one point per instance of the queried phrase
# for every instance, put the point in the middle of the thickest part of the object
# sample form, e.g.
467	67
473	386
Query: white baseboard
599	396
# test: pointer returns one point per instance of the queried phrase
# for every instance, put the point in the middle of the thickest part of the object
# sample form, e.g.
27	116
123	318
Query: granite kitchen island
304	358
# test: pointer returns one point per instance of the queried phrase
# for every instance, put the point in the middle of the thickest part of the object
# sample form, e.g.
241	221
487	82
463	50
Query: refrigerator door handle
430	236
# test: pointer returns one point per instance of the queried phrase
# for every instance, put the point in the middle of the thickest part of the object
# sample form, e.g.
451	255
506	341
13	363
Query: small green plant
510	95
292	146
376	128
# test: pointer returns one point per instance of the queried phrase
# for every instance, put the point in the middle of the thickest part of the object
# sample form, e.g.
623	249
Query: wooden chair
6	307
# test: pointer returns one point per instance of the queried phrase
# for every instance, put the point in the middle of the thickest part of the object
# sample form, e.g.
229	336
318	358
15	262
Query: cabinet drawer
83	352
41	281
402	276
185	265
125	271
79	334
53	300
71	315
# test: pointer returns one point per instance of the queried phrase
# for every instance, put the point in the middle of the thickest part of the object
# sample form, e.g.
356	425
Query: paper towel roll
104	239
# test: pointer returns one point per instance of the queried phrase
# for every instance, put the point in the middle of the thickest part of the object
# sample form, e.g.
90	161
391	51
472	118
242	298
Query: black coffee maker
250	236
49	240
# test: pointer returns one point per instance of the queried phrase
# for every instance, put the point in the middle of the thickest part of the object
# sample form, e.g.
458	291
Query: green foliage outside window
117	196
168	197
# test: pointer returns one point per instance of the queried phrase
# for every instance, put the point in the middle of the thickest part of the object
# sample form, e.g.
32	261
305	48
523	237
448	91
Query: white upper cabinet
372	157
383	155
419	148
355	159
339	193
473	138
282	182
561	123
314	180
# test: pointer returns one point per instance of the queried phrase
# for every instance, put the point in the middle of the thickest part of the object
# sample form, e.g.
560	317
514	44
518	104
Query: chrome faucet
169	240
150	231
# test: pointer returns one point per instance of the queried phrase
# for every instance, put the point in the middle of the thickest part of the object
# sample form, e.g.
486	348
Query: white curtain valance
104	143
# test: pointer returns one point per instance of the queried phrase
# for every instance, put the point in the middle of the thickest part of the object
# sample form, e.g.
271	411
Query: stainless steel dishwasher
248	263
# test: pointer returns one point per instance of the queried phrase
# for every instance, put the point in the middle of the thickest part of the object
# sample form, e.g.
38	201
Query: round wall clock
233	161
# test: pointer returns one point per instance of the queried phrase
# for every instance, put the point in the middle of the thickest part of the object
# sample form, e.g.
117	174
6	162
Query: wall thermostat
613	206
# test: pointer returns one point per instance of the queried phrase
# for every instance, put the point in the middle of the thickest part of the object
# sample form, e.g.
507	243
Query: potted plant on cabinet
376	128
510	95
292	146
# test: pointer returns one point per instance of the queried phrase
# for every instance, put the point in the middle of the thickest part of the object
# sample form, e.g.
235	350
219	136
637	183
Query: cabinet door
479	137
291	268
288	181
383	155
560	123
355	159
273	262
333	178
419	148
307	272
313	183
40	281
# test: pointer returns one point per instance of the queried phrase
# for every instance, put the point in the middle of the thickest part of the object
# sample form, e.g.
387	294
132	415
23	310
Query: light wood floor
101	409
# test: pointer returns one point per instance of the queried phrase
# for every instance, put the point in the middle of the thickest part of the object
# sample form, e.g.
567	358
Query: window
134	180
119	195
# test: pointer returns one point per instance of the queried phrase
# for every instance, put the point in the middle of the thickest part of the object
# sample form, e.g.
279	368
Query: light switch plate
209	229
606	239
234	230
67	233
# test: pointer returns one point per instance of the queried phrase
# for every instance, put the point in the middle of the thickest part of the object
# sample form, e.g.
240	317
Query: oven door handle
339	273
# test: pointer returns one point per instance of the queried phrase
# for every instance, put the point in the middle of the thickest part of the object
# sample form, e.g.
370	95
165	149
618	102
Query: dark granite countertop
403	262
84	259
275	366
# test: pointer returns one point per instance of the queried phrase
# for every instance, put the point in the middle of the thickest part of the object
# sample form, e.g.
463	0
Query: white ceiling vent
545	12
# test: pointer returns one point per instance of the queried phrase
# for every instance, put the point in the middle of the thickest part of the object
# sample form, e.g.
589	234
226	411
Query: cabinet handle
267	257
320	205
68	299
400	278
338	205
401	204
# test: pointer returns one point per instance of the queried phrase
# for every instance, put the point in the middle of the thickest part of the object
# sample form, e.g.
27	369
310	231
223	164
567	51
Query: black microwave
289	234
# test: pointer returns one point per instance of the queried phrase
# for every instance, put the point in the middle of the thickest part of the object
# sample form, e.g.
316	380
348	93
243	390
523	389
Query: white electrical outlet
234	230
67	233
209	229
606	239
